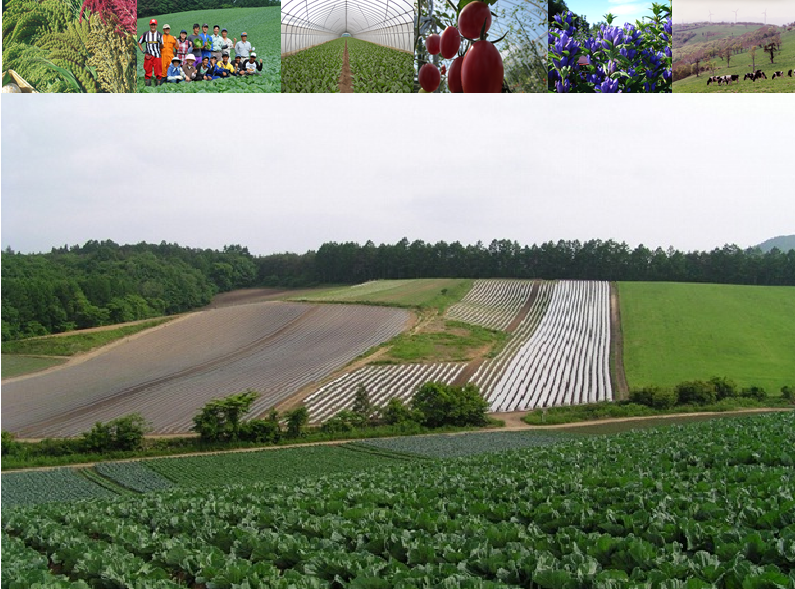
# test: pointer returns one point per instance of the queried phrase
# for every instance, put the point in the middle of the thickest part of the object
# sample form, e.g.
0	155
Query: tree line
101	283
147	8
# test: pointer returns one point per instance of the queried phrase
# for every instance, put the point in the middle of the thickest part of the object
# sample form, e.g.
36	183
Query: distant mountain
782	242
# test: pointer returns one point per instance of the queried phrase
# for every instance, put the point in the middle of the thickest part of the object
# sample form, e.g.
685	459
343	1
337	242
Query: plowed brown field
167	375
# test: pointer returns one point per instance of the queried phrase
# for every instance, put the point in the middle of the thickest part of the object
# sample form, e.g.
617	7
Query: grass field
263	28
741	64
69	345
675	332
453	342
722	30
19	365
428	292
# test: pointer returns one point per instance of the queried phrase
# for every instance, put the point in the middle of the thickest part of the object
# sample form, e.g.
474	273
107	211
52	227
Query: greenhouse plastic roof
351	16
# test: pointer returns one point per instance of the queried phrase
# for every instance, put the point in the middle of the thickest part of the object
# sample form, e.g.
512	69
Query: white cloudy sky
779	12
290	172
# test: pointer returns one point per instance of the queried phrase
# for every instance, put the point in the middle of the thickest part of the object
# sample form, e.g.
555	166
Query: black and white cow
789	73
778	74
711	80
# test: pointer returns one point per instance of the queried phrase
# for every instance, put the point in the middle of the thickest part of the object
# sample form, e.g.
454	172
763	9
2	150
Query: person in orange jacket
169	49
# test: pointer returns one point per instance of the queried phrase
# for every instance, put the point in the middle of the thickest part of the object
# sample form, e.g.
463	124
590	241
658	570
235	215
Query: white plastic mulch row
492	303
382	383
565	361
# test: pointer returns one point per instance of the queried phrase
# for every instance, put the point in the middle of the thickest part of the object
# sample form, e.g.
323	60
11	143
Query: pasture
709	32
13	365
168	374
675	332
740	65
263	28
424	292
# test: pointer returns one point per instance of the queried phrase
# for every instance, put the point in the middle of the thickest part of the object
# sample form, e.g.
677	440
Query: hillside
740	64
784	243
676	332
695	33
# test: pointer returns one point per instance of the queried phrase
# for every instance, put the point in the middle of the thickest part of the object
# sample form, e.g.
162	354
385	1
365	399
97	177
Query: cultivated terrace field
169	373
705	505
675	332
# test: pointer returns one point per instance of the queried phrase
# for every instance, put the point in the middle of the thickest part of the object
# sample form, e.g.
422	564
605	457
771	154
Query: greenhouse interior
307	23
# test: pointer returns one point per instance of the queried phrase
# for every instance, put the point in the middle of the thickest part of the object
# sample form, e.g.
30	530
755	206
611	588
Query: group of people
196	57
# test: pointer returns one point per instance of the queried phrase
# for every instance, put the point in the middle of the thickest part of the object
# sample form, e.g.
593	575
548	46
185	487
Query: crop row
492	303
382	383
316	69
275	365
60	484
375	68
697	506
566	360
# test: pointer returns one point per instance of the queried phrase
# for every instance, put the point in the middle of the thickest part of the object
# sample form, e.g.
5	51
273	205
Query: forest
147	8
99	283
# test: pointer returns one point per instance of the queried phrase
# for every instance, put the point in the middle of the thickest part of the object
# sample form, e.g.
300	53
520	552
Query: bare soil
346	81
522	314
617	337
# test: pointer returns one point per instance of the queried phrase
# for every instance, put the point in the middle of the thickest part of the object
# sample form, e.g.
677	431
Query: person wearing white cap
152	60
188	67
169	49
243	47
175	72
252	65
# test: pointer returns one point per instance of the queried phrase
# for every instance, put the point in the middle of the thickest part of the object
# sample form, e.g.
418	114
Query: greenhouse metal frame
307	23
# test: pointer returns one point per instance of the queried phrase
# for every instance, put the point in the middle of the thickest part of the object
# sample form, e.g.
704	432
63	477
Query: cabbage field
373	68
704	505
263	28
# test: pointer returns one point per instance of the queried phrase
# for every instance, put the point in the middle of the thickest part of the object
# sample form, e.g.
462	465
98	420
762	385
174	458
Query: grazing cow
748	76
735	77
724	80
712	79
789	73
760	74
778	74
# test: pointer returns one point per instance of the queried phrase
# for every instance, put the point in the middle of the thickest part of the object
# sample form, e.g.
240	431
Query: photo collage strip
398	46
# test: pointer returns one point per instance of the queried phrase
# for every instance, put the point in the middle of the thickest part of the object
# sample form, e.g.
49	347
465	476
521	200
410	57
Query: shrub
10	444
442	405
696	392
345	421
396	412
122	434
219	420
296	420
754	392
724	387
787	392
260	430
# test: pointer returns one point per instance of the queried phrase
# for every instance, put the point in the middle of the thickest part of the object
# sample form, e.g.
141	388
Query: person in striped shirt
151	44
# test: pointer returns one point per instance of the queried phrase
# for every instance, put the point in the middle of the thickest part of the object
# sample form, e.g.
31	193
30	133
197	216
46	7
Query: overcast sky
289	172
779	12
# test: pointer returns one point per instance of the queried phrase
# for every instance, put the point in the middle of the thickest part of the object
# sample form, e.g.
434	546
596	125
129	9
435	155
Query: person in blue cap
207	41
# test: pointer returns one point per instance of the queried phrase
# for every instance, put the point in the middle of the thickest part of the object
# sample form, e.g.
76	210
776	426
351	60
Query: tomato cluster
479	69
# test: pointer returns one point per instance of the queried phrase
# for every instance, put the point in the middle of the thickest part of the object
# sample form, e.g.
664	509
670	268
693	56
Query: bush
696	392
397	413
786	391
219	420
724	387
122	434
296	420
10	444
260	430
442	404
758	393
345	421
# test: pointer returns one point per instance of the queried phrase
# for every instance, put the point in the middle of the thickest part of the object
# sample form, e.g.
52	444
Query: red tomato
451	41
429	77
470	21
482	69
454	75
433	43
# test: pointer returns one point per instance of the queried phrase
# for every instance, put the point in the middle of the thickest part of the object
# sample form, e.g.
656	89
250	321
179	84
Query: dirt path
346	82
617	337
513	422
522	314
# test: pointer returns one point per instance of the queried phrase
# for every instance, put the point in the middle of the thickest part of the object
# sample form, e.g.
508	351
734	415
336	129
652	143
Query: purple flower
608	87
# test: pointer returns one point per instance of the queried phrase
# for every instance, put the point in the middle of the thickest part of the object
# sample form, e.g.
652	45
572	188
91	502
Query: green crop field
263	28
703	505
425	292
676	331
19	365
740	65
